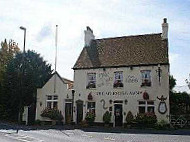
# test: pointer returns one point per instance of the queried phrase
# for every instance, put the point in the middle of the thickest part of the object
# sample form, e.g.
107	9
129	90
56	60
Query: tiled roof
136	50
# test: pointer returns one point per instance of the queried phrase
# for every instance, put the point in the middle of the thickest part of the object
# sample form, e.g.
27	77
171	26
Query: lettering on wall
119	93
105	79
131	79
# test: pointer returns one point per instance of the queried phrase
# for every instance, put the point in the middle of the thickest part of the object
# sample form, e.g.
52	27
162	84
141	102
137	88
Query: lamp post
21	77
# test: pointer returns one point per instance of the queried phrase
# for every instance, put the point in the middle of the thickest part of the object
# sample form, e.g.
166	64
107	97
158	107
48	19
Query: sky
107	18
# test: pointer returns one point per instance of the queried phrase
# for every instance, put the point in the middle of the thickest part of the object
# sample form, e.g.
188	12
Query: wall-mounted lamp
40	103
126	101
110	101
159	71
67	96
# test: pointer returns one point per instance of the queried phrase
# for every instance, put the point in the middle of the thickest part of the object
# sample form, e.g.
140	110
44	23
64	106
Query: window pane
146	78
55	97
118	82
150	103
141	109
91	82
91	107
150	109
49	97
54	104
141	102
48	104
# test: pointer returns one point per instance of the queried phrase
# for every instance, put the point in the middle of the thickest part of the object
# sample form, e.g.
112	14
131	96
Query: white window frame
92	108
120	73
146	105
91	80
54	98
143	72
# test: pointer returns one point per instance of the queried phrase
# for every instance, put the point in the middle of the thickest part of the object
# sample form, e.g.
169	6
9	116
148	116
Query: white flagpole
56	35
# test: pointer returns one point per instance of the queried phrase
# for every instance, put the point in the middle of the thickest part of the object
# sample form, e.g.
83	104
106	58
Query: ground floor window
91	107
52	101
146	106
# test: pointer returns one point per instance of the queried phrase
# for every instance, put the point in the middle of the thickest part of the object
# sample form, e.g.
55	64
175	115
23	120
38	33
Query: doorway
118	114
68	113
79	111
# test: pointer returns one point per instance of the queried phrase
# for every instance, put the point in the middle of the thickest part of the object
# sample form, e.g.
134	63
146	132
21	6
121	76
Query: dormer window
118	81
91	80
146	78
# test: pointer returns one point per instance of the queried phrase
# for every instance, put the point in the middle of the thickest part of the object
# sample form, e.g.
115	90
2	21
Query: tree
179	102
7	53
22	80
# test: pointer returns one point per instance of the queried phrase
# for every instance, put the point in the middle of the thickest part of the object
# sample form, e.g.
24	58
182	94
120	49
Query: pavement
92	134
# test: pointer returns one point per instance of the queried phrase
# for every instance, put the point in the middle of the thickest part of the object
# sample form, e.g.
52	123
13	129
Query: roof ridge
129	36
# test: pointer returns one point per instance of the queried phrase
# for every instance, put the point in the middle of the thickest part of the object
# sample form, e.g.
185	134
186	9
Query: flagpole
56	36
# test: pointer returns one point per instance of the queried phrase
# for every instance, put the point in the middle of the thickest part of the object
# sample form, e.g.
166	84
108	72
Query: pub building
122	74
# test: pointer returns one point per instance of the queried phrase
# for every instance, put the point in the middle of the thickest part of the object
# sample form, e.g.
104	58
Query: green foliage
53	114
107	117
21	81
90	117
129	117
179	103
146	118
172	82
37	122
162	125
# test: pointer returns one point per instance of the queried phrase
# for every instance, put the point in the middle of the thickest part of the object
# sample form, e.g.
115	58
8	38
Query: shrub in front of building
129	118
90	117
146	119
107	117
53	114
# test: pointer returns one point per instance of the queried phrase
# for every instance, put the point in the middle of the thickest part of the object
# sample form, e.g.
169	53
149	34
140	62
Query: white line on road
23	138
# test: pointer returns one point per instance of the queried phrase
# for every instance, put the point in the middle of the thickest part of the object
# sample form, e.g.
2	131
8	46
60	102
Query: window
118	82
146	106
146	78
91	80
52	101
91	107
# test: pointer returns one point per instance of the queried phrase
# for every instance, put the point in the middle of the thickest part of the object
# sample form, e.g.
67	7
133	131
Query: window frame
116	83
91	107
89	81
146	105
147	83
52	101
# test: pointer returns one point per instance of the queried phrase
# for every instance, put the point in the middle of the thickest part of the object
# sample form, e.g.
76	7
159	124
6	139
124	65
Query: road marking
23	138
108	138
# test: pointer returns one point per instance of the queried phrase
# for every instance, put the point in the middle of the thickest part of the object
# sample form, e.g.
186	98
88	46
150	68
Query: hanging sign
162	108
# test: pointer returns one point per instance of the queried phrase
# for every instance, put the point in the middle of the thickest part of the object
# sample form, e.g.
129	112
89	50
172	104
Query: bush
146	119
161	125
37	122
107	117
129	117
53	114
90	117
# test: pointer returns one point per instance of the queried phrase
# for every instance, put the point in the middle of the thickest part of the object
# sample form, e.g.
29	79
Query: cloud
44	33
106	18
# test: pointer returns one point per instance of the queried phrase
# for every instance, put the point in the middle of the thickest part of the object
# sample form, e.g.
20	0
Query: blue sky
107	18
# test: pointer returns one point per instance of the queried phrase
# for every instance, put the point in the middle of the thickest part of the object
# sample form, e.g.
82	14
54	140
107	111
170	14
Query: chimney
88	36
165	29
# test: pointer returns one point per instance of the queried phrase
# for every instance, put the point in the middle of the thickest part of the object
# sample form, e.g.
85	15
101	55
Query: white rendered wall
104	83
48	89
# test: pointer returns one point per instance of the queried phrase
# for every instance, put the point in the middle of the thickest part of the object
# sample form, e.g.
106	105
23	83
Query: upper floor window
118	80
52	101
146	78
91	80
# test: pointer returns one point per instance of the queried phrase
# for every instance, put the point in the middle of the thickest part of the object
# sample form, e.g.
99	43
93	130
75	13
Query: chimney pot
89	36
165	29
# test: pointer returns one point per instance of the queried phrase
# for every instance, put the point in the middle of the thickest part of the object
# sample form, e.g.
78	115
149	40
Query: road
78	135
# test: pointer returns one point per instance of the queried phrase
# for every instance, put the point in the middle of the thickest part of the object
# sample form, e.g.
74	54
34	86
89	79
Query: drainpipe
73	92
